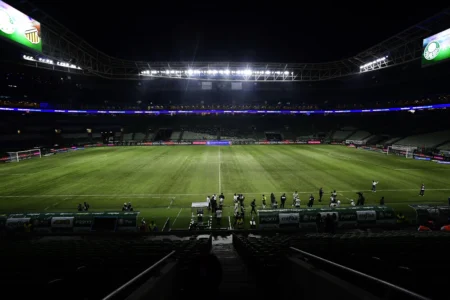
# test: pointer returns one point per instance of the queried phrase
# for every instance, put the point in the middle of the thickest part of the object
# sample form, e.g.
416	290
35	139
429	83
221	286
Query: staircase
181	135
236	279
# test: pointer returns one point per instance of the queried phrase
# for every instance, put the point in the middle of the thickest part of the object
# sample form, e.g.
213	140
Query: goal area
24	154
404	151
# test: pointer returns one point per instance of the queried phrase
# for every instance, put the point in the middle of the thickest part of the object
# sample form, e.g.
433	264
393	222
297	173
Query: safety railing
116	293
388	286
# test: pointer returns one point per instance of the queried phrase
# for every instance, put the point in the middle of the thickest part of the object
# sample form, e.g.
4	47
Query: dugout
440	214
104	224
346	217
199	219
48	222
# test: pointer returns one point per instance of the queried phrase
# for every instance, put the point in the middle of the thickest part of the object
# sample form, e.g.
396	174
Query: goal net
25	154
405	151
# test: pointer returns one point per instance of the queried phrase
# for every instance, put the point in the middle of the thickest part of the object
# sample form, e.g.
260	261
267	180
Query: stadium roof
64	46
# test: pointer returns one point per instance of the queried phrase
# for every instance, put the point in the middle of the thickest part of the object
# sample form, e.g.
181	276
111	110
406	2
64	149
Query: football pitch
162	182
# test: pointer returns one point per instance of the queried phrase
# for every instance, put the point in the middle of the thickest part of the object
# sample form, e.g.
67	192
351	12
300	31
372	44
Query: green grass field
162	182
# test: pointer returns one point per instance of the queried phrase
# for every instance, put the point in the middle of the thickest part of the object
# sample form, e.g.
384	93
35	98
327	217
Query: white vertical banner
236	86
206	85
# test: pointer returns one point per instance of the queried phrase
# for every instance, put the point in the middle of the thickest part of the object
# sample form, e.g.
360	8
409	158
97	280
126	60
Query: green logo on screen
431	50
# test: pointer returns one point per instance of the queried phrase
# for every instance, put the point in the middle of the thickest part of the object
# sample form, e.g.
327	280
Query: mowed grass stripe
189	173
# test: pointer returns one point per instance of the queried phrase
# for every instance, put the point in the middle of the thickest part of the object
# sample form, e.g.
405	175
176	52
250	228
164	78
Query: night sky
272	31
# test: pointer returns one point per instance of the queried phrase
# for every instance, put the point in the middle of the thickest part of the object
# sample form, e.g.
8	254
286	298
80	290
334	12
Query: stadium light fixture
51	62
218	73
375	64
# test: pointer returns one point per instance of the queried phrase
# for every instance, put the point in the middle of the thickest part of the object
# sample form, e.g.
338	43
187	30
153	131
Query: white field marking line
340	156
220	176
427	169
344	196
177	217
146	196
171	202
16	174
53	205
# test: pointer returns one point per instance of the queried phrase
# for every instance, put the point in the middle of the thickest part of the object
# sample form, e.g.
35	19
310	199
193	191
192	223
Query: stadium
132	177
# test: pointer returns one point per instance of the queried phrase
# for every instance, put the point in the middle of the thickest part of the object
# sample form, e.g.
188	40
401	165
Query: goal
25	154
405	151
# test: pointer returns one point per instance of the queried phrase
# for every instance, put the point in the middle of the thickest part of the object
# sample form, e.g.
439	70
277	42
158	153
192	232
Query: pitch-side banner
62	222
76	221
355	142
289	218
366	216
438	213
20	28
403	148
345	217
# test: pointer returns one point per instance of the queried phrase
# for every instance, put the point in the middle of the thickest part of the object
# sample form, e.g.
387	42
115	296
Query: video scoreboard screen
436	48
19	27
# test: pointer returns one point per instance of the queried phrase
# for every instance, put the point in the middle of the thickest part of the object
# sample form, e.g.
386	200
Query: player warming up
294	196
374	186
422	190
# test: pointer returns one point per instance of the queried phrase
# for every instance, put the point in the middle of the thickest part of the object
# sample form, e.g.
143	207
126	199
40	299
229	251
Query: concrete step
236	279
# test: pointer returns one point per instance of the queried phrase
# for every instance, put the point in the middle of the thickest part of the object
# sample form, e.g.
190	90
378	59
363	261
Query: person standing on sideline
320	194
294	196
208	200
422	190
253	205
214	203
361	199
382	201
263	201
311	201
297	202
283	200
272	198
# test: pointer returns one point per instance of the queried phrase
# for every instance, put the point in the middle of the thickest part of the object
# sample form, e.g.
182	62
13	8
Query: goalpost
405	151
25	154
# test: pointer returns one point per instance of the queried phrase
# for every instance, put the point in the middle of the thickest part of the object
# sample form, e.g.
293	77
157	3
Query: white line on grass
206	193
344	196
56	204
177	217
220	176
171	202
15	174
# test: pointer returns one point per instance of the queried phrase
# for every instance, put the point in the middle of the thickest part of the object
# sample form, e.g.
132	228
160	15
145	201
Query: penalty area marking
177	217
